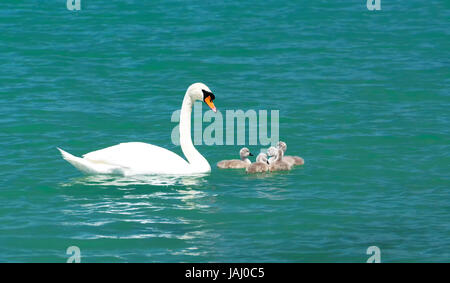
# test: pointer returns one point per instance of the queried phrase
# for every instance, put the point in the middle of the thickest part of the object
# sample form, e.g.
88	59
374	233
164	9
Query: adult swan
137	158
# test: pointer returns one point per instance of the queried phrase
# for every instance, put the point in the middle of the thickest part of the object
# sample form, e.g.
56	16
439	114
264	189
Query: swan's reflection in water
152	180
164	212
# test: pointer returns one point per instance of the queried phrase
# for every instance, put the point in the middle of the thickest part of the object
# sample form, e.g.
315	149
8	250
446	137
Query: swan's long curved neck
195	159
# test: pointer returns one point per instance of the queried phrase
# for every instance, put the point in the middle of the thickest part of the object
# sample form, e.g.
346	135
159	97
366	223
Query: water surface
363	97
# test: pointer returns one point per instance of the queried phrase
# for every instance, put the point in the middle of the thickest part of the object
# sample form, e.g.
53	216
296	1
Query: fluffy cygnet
278	164
261	164
293	160
244	162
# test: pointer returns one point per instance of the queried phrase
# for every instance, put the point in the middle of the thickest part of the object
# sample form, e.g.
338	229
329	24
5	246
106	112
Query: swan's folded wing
138	157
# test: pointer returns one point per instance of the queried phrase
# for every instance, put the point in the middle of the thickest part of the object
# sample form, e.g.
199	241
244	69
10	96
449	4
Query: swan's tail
81	164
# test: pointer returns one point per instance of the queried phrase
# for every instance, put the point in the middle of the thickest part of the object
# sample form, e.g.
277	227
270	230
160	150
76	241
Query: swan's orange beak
210	104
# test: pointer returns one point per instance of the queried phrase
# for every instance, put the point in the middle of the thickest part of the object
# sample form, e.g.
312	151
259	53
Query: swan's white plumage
89	167
137	158
132	158
141	157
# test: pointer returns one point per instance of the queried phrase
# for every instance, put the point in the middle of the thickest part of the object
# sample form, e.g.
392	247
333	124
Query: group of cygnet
277	161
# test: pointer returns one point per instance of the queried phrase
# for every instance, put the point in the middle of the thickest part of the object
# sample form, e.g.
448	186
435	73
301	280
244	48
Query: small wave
124	181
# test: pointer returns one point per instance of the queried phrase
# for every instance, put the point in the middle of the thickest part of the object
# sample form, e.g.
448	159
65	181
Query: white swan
137	158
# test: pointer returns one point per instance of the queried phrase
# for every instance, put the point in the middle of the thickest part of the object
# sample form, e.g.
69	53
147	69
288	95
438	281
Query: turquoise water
363	97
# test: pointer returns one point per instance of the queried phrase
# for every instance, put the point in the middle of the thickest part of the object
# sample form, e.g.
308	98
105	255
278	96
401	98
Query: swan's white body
132	158
137	158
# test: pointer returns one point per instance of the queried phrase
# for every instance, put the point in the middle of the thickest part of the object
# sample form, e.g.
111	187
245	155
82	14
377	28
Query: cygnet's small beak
250	154
209	102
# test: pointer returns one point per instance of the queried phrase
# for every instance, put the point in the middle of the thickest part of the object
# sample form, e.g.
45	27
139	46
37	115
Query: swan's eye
208	94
